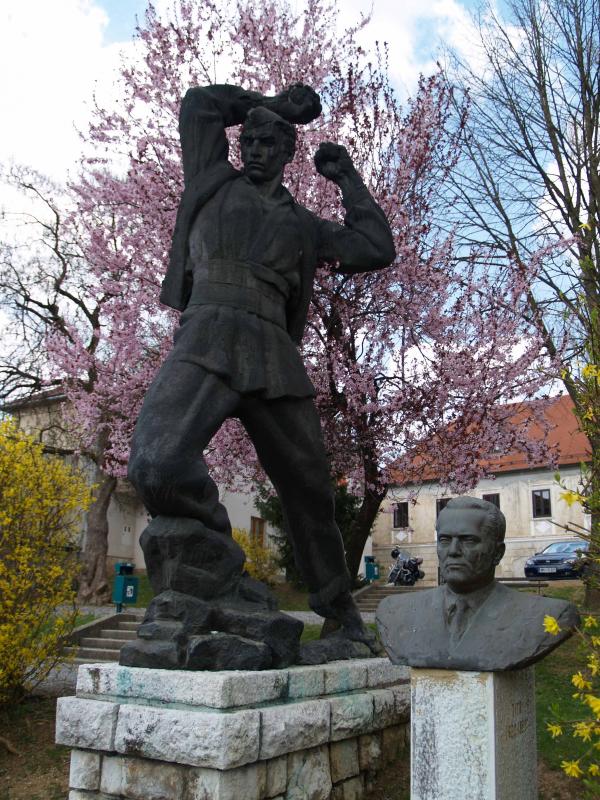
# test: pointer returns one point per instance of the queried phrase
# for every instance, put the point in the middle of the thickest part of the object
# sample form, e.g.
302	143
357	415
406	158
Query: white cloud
51	56
414	31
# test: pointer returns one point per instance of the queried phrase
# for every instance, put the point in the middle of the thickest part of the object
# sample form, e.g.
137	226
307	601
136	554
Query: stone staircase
102	639
368	599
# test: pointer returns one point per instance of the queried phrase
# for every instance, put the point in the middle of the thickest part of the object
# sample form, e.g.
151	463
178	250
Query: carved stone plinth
317	732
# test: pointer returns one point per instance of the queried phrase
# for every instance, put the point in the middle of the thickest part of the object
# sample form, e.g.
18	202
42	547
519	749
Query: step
392	590
91	654
114	633
102	643
129	625
524	584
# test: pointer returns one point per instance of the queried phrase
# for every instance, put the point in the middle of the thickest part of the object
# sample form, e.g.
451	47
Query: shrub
268	504
586	728
261	563
41	499
586	682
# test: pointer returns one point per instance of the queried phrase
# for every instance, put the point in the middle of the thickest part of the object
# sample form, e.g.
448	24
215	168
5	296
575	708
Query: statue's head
267	143
470	542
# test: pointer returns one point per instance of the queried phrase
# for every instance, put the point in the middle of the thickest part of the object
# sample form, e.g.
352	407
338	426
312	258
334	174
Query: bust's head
470	543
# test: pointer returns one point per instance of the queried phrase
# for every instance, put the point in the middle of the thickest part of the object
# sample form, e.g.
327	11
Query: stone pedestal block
302	733
473	735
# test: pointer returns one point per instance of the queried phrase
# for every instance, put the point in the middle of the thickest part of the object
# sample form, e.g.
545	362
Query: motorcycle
406	570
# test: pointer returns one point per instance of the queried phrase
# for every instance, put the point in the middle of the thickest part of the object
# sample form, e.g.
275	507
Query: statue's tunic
245	256
242	266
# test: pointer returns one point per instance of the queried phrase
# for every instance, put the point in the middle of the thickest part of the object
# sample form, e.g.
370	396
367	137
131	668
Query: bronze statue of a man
241	270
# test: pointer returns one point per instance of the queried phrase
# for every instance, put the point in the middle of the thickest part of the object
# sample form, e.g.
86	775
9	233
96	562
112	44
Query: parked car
558	560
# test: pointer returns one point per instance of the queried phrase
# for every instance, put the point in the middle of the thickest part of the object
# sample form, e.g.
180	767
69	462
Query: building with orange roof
527	493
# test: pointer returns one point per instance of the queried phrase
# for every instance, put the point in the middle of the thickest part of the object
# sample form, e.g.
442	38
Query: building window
541	503
492	498
441	504
401	515
257	529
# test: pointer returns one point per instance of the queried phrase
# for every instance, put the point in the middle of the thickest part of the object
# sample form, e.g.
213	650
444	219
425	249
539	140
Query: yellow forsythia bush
41	499
587	691
261	563
586	681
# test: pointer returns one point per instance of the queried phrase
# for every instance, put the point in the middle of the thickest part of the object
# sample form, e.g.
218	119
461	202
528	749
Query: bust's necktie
458	619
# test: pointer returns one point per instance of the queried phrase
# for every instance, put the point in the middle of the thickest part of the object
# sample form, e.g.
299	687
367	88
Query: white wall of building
127	519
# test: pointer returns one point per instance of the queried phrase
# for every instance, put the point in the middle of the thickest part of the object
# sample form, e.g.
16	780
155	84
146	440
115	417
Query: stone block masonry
302	733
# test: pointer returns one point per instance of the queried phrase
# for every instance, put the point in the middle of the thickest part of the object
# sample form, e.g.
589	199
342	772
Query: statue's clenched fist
333	162
298	104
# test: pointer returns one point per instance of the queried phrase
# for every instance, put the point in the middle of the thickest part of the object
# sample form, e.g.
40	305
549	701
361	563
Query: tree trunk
592	577
93	583
361	529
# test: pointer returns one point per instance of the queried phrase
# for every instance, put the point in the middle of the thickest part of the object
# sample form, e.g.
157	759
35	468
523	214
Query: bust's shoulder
412	602
535	604
510	601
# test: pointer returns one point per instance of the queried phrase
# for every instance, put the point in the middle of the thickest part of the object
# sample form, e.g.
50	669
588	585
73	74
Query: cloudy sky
55	54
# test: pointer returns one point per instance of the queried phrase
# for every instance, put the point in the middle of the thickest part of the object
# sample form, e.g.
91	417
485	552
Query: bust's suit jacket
505	632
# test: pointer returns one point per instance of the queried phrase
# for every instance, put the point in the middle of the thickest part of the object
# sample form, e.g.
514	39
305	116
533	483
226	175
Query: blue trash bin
125	589
371	569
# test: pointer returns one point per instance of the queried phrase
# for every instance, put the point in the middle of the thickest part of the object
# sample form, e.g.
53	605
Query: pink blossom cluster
414	360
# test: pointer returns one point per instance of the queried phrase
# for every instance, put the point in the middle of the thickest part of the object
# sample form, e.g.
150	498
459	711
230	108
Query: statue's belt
246	285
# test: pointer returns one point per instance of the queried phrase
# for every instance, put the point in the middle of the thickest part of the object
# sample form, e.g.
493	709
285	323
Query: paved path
308	617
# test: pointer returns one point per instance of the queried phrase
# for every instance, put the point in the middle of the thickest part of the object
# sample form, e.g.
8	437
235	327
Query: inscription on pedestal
473	735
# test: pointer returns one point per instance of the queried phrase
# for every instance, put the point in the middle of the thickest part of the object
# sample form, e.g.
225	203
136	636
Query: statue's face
264	152
468	557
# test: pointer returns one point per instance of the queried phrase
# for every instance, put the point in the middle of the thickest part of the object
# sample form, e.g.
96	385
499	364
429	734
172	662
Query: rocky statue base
209	614
318	732
473	735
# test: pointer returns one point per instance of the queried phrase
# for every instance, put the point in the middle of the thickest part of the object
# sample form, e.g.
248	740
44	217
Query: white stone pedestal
303	733
473	735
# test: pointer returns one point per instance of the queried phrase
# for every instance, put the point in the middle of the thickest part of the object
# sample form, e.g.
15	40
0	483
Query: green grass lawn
290	598
312	632
573	592
554	699
554	694
83	619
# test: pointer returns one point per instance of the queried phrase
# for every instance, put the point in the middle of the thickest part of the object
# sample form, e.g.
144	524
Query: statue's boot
346	638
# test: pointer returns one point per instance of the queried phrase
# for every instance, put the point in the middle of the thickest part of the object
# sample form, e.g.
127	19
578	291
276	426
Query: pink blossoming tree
423	351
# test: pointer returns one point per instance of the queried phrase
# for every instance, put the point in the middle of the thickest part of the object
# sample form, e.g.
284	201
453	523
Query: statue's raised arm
207	110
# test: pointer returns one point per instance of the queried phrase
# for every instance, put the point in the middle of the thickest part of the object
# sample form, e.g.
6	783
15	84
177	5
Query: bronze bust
471	622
